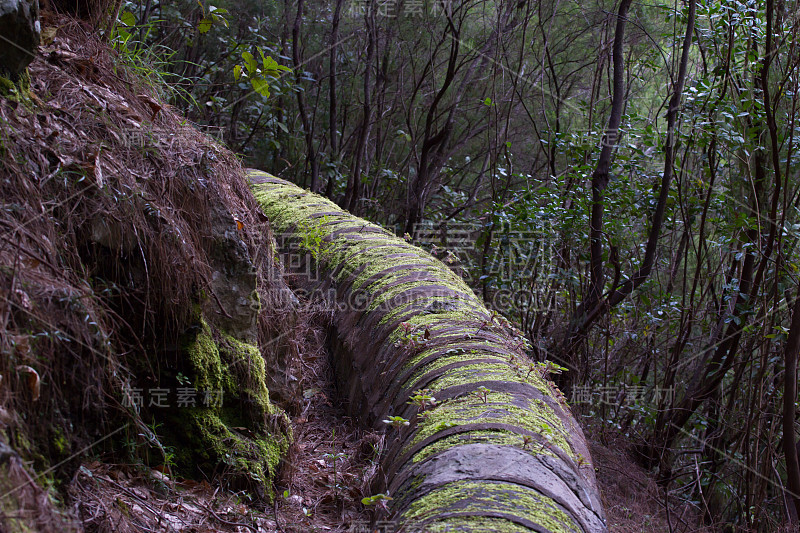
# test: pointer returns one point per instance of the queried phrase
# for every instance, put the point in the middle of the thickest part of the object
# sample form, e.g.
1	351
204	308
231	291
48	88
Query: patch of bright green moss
286	209
455	350
497	408
285	206
60	442
232	427
18	91
252	457
445	360
496	437
206	363
474	374
473	496
478	524
390	293
435	305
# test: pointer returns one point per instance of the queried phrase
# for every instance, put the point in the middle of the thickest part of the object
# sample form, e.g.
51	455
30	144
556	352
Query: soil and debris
333	462
632	500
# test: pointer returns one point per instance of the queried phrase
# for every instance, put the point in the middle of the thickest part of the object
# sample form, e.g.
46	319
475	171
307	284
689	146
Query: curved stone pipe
498	450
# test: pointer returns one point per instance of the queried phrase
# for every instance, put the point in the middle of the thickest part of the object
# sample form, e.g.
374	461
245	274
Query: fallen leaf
24	299
154	106
62	55
48	34
33	380
140	493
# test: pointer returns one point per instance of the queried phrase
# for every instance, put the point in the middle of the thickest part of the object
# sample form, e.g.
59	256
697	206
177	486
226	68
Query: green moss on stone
499	408
252	456
60	442
474	374
385	296
473	496
363	254
496	437
477	524
445	360
435	305
18	91
455	336
233	427
206	363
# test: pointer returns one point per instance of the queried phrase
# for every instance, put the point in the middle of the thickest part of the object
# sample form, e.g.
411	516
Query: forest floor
632	500
329	470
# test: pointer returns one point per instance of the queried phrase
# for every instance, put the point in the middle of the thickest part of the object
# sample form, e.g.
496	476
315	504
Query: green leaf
205	25
249	62
261	86
267	61
488	101
237	72
127	18
271	67
223	20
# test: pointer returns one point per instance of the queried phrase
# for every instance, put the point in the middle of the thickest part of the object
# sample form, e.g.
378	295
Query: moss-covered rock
230	427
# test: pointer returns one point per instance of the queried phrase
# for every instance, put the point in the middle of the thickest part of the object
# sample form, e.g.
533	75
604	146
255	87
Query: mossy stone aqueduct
497	450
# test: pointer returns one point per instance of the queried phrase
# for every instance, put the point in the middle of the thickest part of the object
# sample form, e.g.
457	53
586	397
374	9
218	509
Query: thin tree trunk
311	153
789	397
600	176
353	191
588	314
334	48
